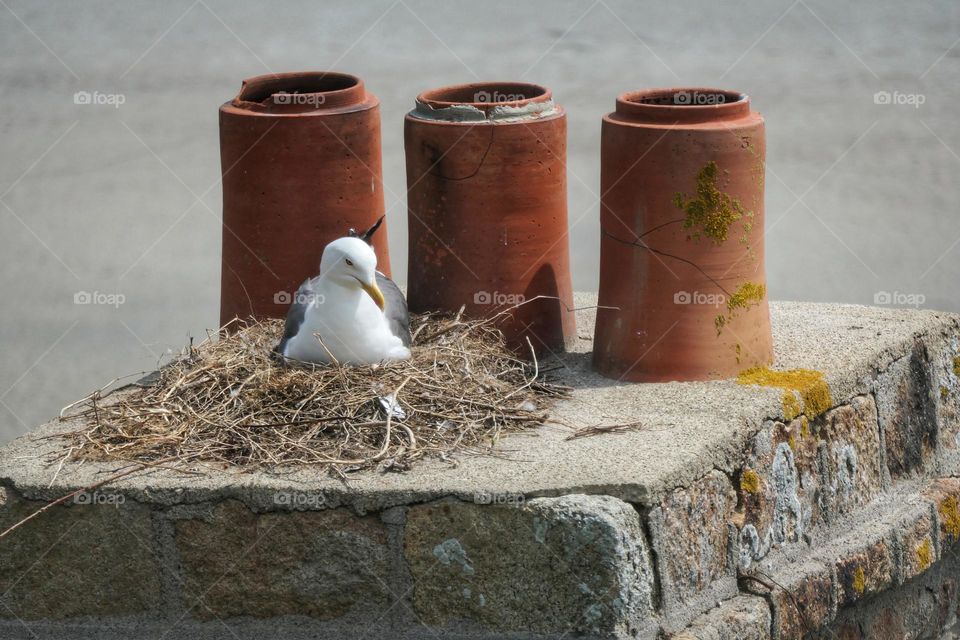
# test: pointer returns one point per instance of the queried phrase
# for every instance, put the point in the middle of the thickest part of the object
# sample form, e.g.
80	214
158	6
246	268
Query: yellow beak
374	291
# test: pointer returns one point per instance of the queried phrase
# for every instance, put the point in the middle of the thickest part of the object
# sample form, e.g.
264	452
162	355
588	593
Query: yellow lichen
950	517
804	427
761	173
711	212
809	384
718	322
956	366
750	481
924	554
859	580
792	443
791	405
749	294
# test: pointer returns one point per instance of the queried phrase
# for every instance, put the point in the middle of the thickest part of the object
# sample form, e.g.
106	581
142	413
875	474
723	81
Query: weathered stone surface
800	593
803	603
894	573
845	631
852	465
314	563
864	572
923	607
918	546
947	601
94	558
778	489
806	473
744	617
944	493
575	564
945	363
887	624
691	531
907	407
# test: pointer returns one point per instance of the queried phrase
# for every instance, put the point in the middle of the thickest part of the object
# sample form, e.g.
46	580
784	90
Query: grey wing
395	308
295	315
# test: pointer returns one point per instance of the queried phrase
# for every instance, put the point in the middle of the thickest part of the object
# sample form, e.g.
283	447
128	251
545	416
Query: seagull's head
351	262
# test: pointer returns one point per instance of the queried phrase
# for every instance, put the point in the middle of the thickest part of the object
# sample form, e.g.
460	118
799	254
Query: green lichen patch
956	366
809	385
712	211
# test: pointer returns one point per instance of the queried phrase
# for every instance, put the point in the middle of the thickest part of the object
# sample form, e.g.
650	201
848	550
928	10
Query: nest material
229	401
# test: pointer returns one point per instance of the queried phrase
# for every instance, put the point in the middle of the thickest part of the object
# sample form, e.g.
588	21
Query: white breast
352	327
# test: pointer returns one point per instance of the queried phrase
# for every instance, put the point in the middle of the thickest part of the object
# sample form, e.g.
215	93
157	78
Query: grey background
861	197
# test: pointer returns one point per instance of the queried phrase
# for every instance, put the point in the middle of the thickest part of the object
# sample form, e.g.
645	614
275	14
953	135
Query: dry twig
597	430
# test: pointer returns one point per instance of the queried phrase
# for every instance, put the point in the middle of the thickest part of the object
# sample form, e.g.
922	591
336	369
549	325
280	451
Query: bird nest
229	401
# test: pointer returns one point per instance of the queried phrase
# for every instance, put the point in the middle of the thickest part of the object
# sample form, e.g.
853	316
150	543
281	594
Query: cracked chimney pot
487	190
682	280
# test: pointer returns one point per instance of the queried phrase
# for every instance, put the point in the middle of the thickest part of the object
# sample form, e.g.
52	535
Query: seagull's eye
349	262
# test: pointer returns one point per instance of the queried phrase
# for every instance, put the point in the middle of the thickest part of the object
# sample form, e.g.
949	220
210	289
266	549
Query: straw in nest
229	401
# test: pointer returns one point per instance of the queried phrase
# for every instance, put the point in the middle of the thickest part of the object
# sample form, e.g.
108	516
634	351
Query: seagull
350	313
